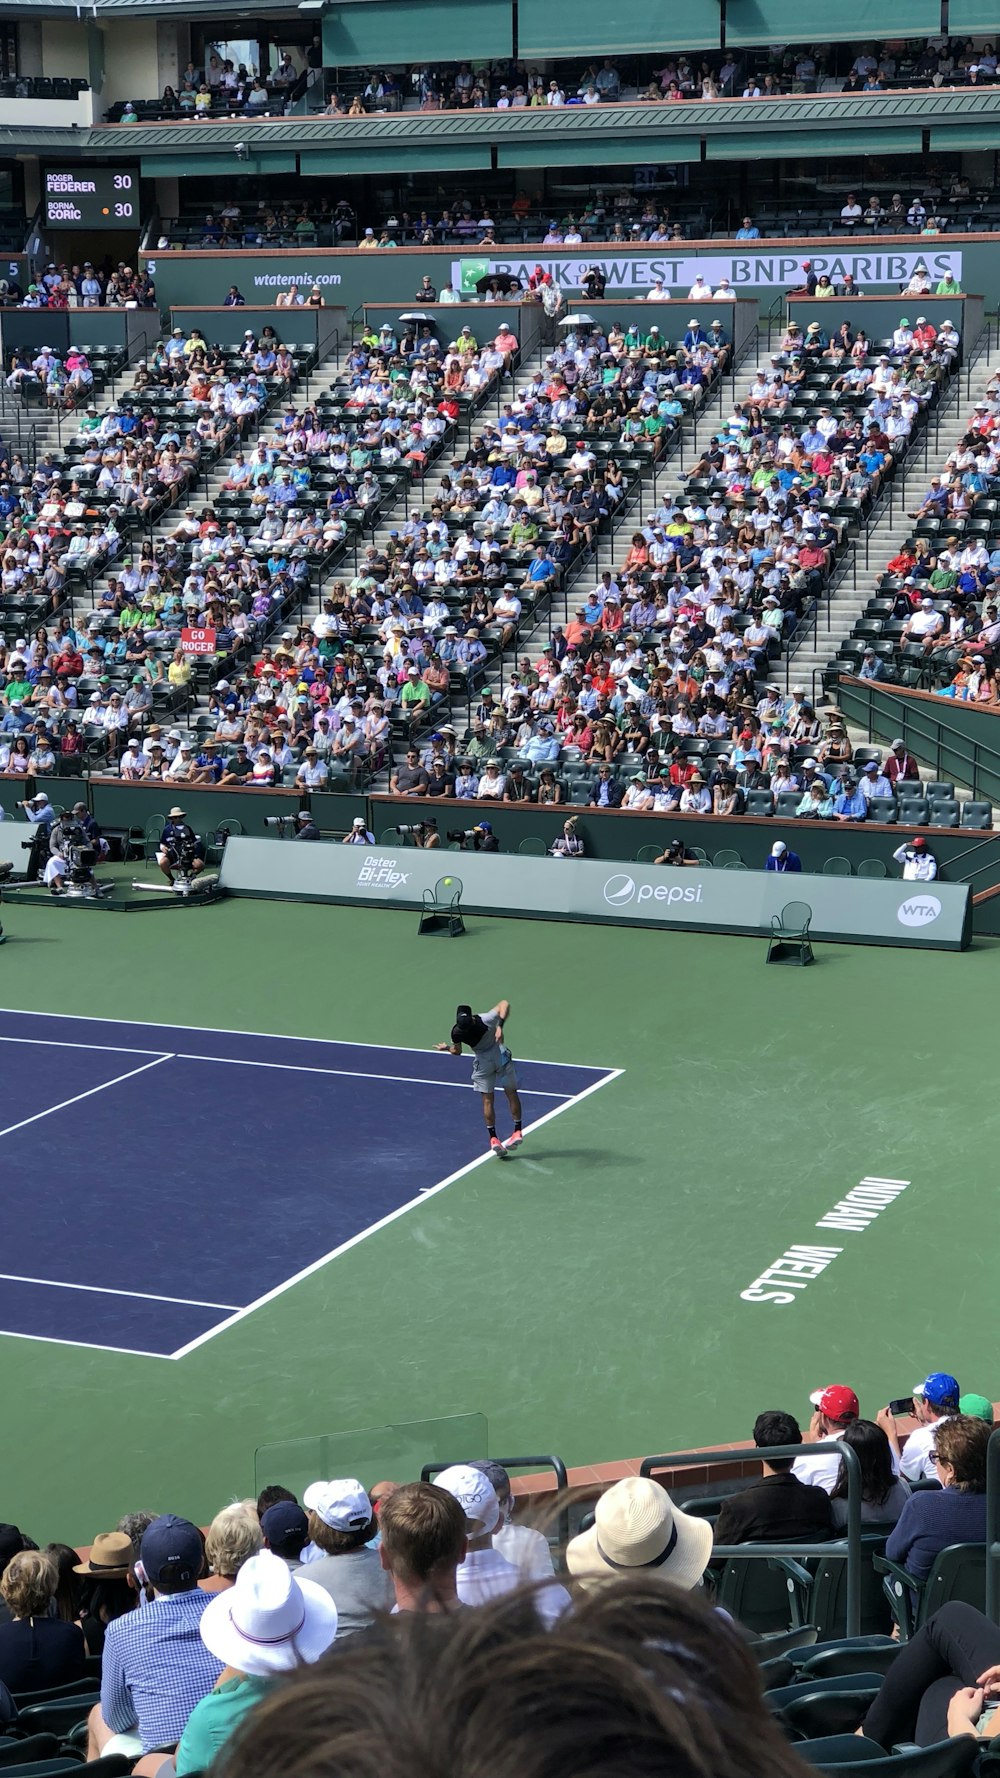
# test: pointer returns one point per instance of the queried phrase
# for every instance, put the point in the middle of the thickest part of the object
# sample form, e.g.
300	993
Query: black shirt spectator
36	1650
779	1508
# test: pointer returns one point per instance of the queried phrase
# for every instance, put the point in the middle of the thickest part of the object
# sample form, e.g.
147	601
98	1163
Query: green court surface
585	1298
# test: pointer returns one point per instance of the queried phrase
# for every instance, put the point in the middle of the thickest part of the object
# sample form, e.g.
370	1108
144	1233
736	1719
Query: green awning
786	144
964	135
420	157
751	22
557	28
633	151
398	31
189	166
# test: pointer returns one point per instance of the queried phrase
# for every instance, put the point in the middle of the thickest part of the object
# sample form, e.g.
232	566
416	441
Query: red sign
198	641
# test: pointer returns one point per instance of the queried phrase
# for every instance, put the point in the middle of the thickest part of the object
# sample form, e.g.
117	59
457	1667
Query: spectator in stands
834	1408
930	1521
37	1650
933	1401
781	859
341	1526
779	1508
637	1527
271	1623
155	1666
423	1541
232	1538
900	764
285	1530
883	1494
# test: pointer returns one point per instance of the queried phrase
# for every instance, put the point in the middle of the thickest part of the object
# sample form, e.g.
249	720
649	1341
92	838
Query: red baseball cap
836	1402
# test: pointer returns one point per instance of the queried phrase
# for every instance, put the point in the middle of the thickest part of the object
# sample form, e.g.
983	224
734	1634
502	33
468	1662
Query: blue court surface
226	1164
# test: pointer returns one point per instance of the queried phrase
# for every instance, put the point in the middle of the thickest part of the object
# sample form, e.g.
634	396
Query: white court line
145	1296
405	1080
8	1333
50	1109
409	1049
384	1221
99	1049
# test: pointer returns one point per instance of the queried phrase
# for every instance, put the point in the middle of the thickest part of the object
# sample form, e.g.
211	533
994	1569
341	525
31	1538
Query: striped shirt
156	1668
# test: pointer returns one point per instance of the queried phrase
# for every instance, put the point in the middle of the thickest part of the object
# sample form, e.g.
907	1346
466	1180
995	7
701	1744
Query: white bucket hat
269	1621
636	1526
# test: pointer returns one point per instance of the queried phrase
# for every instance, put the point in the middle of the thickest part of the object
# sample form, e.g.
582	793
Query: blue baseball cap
484	827
285	1526
939	1390
171	1551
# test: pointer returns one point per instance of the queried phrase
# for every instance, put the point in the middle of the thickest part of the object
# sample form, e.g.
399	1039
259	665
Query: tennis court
126	1120
348	1257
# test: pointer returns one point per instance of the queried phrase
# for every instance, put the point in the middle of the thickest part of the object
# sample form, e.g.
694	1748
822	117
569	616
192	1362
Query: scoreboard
91	197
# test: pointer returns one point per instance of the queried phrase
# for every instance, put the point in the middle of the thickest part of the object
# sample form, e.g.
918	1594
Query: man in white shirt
700	291
934	1400
485	1574
919	865
850	215
834	1408
521	1545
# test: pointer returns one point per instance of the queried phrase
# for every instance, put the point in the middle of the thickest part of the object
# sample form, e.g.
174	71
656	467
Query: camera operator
360	834
83	817
40	812
476	839
423	833
73	854
178	857
305	826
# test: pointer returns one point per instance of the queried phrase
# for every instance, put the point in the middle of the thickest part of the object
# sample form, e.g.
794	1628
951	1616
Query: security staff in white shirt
919	865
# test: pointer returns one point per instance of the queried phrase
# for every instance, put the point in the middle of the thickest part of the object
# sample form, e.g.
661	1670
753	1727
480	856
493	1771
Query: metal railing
927	732
846	1549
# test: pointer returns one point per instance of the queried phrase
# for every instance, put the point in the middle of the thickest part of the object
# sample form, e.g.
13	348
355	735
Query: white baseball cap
343	1505
476	1496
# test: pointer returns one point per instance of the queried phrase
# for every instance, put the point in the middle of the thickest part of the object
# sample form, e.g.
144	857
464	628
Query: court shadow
539	1152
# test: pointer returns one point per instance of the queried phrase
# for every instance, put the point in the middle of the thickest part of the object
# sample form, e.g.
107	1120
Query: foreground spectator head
29	1584
477	1498
270	1621
271	1495
133	1526
340	1515
423	1541
636	1526
233	1537
641	1678
11	1542
836	1407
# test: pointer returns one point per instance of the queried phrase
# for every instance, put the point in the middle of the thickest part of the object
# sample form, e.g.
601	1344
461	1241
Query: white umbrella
414	318
578	320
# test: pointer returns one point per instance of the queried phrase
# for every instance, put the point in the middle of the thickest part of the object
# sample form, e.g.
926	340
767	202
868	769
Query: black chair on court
789	941
442	909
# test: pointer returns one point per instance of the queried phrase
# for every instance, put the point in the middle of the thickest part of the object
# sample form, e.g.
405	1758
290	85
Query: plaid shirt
156	1668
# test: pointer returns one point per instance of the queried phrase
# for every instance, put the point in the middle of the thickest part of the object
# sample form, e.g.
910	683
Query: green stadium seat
883	809
851	1756
835	1706
959	1572
976	815
727	860
872	867
944	814
837	867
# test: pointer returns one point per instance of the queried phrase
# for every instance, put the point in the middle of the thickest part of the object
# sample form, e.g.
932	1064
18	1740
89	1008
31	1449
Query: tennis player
492	1066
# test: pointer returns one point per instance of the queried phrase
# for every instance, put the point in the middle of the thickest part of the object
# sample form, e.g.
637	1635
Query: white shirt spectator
700	291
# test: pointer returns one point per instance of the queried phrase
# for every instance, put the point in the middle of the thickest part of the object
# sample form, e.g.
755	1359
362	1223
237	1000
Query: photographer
359	834
423	834
475	839
73	854
305	826
676	853
178	857
38	810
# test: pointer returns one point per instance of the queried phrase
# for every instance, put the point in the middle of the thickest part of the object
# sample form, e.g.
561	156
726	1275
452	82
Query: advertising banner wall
935	915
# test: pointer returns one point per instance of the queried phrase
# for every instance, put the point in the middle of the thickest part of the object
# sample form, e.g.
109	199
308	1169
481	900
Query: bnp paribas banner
631	273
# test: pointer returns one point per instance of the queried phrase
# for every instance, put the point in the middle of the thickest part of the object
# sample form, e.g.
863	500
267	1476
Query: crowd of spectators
86	286
258	1645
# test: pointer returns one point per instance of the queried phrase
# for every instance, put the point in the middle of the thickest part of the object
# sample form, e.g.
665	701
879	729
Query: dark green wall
961	743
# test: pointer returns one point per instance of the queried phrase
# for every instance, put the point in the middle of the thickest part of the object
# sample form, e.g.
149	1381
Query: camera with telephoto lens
279	821
416	828
462	836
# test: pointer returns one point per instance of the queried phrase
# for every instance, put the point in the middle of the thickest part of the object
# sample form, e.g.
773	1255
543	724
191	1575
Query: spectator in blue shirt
155	1666
871	667
850	805
541	569
780	859
748	231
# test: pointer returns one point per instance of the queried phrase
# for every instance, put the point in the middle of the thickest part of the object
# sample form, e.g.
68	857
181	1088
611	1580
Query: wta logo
622	891
920	911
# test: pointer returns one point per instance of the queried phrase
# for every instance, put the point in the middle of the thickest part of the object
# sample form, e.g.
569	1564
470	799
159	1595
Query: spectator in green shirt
268	1623
949	286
